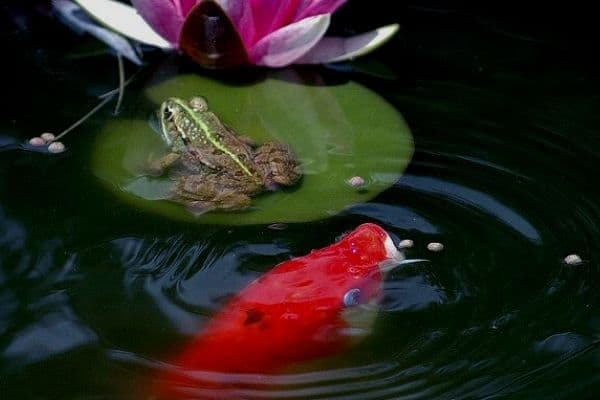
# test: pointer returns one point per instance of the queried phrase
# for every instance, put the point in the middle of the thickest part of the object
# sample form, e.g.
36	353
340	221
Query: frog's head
169	118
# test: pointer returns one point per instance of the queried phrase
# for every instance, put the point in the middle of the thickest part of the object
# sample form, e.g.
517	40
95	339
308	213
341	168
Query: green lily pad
338	132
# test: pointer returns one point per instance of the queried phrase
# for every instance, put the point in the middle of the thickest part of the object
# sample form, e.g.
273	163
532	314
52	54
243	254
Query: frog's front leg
158	167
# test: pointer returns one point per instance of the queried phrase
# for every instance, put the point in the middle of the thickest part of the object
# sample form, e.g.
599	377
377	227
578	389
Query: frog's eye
167	114
199	104
351	298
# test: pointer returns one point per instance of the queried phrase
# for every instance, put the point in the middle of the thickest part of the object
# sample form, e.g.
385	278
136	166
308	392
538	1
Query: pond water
96	293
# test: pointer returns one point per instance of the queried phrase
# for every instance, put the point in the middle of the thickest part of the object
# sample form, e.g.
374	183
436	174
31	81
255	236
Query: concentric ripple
496	314
96	296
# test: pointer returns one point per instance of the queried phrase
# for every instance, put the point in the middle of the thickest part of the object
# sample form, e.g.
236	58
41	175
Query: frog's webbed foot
278	165
158	167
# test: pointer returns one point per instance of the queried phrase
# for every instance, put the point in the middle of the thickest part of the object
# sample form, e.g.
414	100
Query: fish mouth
395	257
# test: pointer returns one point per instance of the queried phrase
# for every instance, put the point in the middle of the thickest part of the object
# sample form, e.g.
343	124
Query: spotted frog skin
214	168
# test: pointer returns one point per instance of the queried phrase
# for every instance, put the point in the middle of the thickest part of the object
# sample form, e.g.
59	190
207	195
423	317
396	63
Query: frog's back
232	153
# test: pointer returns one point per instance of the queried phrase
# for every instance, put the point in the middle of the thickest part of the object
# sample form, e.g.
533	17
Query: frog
215	168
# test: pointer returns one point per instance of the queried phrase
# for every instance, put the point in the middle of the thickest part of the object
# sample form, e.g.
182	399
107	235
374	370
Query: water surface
96	293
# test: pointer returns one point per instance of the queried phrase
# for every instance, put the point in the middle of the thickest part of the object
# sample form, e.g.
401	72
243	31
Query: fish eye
351	298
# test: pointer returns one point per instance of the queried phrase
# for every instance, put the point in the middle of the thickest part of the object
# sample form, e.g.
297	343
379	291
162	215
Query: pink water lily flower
215	33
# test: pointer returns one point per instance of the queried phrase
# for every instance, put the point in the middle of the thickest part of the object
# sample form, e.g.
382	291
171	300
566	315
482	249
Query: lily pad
337	131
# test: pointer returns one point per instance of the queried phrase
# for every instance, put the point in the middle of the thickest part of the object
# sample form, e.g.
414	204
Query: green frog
214	168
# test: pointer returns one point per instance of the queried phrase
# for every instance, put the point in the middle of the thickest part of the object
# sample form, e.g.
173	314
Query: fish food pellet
37	141
434	246
356	181
56	147
48	137
406	243
573	259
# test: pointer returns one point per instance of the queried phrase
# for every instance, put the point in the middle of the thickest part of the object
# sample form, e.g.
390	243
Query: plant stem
82	119
121	84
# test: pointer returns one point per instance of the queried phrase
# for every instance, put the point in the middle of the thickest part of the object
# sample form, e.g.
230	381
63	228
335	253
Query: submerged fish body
306	308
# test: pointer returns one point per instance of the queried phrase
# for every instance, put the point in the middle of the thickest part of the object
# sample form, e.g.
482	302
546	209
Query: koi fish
306	308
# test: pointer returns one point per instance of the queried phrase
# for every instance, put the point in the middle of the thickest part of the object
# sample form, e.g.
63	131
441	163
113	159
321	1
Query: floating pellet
47	136
573	259
56	147
406	243
435	246
37	141
356	181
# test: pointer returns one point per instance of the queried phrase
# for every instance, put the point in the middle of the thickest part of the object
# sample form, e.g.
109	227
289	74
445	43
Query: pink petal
240	14
285	45
271	15
261	17
164	16
333	49
316	7
255	19
186	6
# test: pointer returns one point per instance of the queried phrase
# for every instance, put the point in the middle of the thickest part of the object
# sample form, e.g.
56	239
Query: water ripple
476	199
37	321
96	297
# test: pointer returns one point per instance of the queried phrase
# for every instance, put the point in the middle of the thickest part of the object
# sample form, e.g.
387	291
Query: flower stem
105	98
121	84
82	119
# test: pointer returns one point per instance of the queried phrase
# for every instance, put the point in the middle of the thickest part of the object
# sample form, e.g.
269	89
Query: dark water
94	294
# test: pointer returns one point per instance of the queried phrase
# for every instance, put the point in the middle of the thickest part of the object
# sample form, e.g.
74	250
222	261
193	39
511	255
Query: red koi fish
306	308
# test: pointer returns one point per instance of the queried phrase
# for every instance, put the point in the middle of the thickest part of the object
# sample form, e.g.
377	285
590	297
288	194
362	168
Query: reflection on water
96	295
32	304
477	200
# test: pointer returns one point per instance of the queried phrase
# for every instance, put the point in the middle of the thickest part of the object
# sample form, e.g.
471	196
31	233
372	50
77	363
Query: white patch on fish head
394	256
359	313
